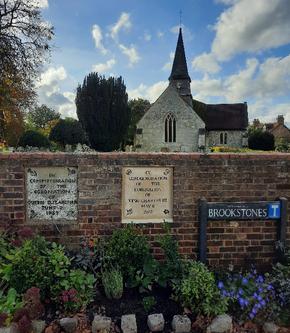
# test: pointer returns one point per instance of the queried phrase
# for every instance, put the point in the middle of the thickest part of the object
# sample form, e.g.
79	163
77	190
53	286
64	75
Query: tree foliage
102	108
34	139
24	37
138	108
68	131
24	42
260	140
41	116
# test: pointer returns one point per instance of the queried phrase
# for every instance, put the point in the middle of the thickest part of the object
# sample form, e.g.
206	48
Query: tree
138	108
34	139
24	38
14	98
24	42
260	140
40	116
68	131
102	108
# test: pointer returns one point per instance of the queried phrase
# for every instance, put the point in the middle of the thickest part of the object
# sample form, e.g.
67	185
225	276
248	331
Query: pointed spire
179	68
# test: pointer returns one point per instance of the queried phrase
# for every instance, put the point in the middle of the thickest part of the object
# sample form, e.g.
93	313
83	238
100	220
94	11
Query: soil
131	303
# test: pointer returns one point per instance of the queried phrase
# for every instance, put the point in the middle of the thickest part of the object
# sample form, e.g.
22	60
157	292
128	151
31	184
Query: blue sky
237	50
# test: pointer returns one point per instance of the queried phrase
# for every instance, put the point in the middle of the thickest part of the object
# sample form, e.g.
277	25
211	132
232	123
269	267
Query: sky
237	50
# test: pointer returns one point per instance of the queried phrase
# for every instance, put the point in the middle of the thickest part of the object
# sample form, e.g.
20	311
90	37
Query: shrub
128	250
112	281
260	140
250	296
33	139
27	266
68	132
197	290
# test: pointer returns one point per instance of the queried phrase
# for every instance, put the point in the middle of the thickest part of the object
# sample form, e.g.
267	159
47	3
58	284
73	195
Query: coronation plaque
147	194
51	193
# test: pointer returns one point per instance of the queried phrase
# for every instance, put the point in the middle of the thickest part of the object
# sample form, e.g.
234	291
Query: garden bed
41	280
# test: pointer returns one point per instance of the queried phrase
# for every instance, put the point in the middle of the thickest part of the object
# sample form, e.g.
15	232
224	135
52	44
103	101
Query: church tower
179	76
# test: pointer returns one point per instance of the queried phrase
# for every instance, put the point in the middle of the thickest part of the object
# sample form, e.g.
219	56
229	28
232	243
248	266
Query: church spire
179	68
179	77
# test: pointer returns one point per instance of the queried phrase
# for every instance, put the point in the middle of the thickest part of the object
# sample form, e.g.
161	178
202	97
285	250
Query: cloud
148	92
49	91
268	79
131	53
251	26
123	23
50	78
206	63
167	67
98	37
160	34
104	67
40	3
186	32
206	88
257	81
147	37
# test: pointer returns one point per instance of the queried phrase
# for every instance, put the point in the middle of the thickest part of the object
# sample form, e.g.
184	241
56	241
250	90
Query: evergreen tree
102	108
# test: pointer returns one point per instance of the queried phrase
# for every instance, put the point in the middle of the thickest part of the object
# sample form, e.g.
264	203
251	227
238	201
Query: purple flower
241	301
220	285
251	316
244	281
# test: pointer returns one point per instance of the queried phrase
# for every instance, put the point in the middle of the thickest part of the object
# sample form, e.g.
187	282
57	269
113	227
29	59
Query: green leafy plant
74	291
27	266
171	269
148	303
146	277
112	281
127	249
58	263
9	304
197	290
279	278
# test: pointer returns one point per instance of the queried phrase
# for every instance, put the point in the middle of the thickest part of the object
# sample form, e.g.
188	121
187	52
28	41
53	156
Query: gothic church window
170	128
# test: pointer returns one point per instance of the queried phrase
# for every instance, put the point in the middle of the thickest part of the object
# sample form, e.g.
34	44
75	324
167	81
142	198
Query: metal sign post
237	211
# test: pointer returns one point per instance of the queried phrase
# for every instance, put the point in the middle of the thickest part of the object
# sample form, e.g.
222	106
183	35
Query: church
176	122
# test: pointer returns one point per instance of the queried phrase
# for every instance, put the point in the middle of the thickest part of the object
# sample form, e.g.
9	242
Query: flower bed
119	276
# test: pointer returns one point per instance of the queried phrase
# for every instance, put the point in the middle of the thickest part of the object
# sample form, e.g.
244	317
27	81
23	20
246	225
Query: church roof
223	116
179	67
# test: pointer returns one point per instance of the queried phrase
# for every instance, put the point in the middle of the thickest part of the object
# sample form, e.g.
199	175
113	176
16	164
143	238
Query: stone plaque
147	194
51	193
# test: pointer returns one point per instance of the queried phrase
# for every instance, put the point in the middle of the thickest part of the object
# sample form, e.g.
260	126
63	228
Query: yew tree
102	109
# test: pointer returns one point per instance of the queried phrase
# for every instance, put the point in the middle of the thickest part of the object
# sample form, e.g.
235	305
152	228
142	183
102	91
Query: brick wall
217	177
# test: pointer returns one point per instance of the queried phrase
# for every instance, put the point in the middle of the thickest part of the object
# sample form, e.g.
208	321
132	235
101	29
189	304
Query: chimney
280	119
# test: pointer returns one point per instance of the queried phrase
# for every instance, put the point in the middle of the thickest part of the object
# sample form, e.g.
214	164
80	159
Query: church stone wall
153	125
234	138
216	177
